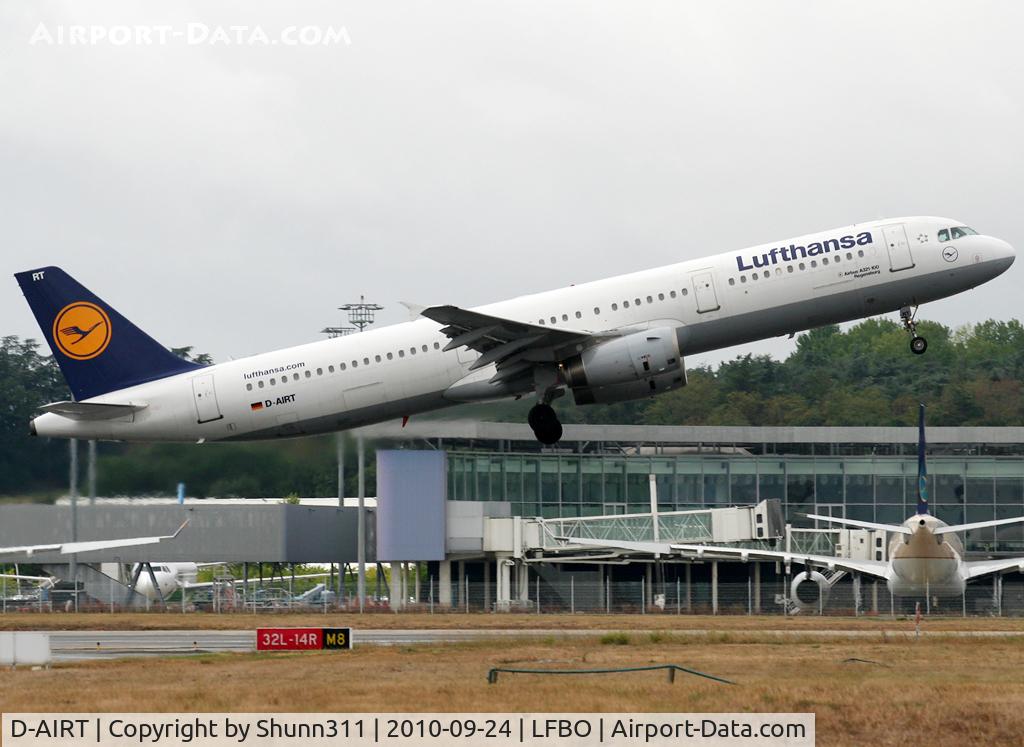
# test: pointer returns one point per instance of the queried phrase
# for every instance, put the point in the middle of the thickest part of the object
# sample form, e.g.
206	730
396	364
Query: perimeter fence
999	596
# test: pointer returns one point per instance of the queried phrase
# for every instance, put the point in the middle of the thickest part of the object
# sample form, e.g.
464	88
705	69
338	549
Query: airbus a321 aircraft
925	554
605	341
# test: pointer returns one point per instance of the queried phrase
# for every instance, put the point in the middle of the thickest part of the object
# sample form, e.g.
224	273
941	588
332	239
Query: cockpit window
957	232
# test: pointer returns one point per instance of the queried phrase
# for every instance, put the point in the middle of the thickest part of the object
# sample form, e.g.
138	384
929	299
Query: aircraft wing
975	568
877	568
871	567
68	548
512	346
275	580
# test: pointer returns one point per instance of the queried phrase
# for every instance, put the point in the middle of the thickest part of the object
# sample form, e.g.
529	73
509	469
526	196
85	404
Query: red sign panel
289	639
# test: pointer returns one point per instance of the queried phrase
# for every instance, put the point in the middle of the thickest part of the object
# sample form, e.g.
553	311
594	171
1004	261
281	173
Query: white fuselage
711	303
924	563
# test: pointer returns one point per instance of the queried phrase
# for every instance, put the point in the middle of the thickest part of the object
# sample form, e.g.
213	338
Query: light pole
360	316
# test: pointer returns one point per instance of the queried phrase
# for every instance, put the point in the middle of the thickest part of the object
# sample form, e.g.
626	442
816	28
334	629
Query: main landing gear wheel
917	343
545	424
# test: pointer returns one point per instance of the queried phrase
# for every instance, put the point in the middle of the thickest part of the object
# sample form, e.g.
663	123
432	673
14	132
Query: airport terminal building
487	517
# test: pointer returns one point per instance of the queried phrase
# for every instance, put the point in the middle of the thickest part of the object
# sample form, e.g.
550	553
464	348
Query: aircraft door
898	247
205	396
704	291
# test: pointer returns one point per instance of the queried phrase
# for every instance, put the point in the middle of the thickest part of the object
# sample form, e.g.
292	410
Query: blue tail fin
922	471
97	349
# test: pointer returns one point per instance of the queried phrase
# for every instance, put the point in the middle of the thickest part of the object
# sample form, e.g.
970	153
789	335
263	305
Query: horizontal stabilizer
896	528
977	525
91	410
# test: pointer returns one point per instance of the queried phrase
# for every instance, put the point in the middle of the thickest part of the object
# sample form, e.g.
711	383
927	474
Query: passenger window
401	353
565	317
272	382
540	321
615	307
754	276
424	348
732	281
649	300
766	274
330	368
437	346
341	366
672	294
860	252
636	301
366	361
554	320
259	384
377	358
803	266
597	311
814	263
579	315
309	374
661	296
849	255
625	304
743	278
412	351
789	268
824	260
391	357
248	387
355	364
685	292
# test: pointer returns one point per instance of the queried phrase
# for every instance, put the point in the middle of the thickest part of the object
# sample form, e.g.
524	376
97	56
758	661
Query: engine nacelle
632	367
810	601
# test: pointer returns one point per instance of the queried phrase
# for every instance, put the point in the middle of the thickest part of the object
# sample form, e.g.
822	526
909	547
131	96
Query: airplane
606	341
926	558
173	576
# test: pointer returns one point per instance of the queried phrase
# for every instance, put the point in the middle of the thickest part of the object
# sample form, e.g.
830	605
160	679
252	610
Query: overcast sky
230	196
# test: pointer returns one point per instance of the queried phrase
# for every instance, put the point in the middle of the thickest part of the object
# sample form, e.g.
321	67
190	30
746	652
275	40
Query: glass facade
866	487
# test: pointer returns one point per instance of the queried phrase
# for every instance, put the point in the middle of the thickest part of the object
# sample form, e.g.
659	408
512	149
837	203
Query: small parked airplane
926	558
606	341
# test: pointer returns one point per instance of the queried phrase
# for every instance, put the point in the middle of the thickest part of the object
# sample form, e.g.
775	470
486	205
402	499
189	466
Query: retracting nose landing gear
917	343
545	424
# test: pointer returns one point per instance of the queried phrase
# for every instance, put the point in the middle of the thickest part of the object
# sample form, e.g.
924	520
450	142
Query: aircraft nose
1003	254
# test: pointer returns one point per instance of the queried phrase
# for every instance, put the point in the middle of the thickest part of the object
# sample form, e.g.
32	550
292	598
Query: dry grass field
957	690
424	621
966	690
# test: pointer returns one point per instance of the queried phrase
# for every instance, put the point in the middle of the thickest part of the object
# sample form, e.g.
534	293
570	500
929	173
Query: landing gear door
898	247
205	397
704	291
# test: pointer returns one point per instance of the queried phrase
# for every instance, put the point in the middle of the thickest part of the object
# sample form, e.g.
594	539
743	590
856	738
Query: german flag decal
256	406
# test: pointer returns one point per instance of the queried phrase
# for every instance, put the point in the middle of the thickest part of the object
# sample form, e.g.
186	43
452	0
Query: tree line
861	376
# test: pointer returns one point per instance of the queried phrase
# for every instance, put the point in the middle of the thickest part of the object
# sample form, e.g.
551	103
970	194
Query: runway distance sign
303	639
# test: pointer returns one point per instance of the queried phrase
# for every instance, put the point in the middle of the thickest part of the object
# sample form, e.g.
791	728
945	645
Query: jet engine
803	593
638	365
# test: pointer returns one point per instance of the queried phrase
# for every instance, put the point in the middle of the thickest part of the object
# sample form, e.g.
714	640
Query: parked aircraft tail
97	349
